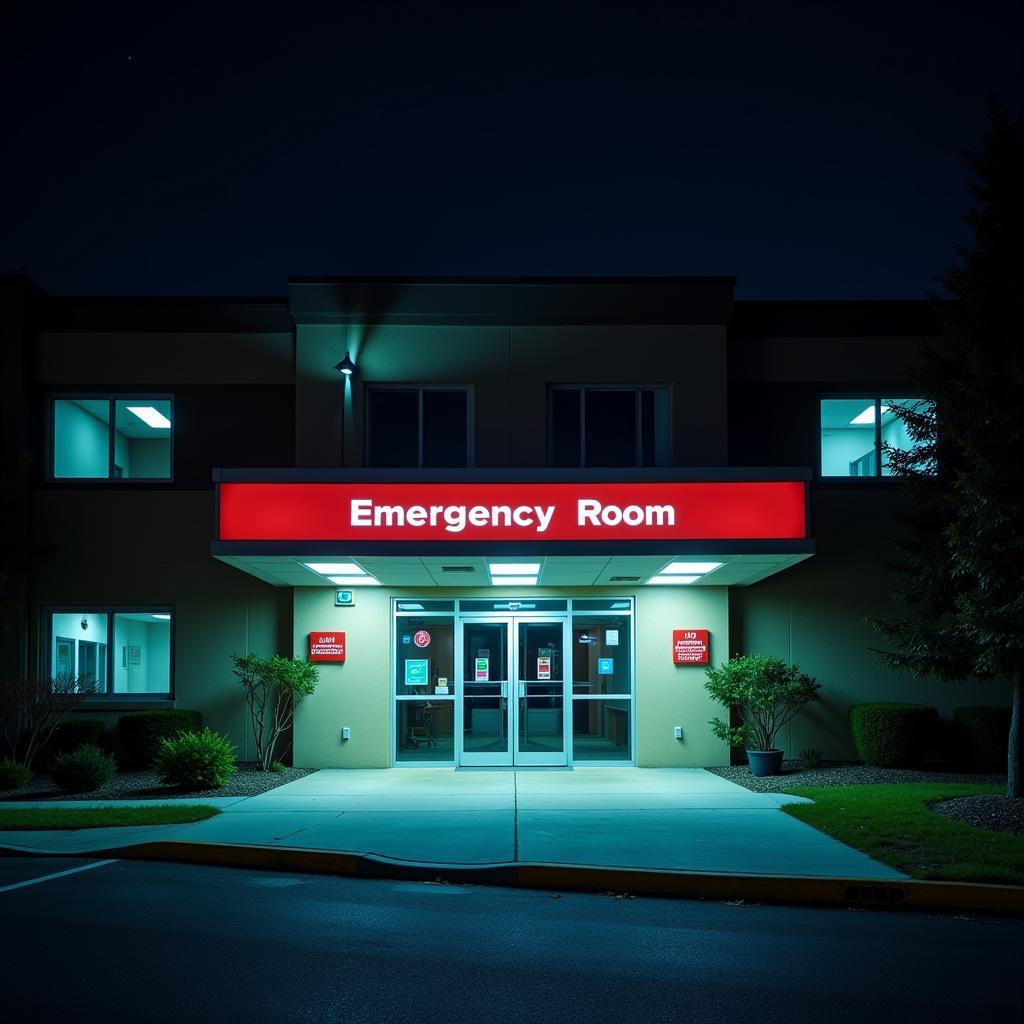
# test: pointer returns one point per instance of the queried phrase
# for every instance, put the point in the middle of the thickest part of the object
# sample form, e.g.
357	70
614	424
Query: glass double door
512	691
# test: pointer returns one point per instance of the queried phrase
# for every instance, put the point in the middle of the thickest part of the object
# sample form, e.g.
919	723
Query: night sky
811	149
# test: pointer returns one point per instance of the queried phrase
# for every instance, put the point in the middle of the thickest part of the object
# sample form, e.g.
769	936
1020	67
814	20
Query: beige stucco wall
357	693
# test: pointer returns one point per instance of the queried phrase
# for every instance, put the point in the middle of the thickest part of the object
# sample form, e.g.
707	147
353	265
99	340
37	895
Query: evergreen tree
961	569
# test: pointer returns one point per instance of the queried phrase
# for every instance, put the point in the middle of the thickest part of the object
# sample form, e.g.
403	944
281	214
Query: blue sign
407	638
605	666
416	672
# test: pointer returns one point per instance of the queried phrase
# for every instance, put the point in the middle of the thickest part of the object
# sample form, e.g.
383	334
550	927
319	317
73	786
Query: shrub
765	691
12	774
142	731
82	770
196	760
890	734
811	758
277	767
75	732
985	733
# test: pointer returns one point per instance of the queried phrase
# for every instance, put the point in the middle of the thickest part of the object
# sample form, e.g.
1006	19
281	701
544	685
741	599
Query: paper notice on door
482	672
544	667
611	638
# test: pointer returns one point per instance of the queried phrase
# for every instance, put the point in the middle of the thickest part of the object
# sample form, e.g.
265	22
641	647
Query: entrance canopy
512	527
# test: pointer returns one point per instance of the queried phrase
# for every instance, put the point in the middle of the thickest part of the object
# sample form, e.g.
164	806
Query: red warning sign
690	646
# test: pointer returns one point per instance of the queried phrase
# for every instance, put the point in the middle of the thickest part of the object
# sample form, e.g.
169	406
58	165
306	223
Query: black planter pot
765	762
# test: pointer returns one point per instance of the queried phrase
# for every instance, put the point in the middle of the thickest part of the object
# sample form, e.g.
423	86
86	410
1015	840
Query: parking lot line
56	874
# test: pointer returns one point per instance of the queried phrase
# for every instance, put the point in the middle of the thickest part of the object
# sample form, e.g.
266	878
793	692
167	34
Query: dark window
412	427
608	427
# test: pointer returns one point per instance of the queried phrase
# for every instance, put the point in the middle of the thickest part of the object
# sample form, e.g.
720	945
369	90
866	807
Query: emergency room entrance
511	690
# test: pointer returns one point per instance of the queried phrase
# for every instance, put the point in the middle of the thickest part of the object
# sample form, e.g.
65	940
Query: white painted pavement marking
57	874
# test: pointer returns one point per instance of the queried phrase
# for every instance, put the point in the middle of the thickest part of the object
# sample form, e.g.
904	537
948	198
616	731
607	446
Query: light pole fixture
347	366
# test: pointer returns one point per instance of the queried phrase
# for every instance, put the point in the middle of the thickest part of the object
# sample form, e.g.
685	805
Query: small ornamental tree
765	691
31	707
274	688
960	570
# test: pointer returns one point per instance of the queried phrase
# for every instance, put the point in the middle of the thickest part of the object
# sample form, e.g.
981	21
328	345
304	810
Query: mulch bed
247	781
993	811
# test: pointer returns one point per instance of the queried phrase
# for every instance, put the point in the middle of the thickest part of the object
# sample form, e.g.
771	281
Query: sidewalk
670	819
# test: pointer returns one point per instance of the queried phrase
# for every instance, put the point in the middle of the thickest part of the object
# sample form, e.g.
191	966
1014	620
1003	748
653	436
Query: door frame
512	757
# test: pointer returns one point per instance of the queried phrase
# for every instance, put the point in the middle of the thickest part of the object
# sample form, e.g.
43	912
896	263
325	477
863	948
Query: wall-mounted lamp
84	623
347	366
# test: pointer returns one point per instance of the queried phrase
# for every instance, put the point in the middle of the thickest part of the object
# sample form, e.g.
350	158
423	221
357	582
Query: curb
896	894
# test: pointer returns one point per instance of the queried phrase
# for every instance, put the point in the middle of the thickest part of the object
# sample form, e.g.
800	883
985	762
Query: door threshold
514	768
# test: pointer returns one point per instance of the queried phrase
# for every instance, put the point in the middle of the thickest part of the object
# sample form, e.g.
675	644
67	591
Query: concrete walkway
683	819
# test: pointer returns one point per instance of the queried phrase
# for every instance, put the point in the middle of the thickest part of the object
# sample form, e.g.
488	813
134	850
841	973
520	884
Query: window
127	438
854	430
418	427
113	652
605	427
601	685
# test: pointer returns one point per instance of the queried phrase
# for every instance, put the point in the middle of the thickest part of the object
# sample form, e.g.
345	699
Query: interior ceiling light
687	568
150	416
620	604
867	416
161	615
343	568
354	581
405	606
673	579
346	366
514	581
514	568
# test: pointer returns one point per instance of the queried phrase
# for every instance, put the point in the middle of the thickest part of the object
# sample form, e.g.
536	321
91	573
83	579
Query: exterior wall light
347	366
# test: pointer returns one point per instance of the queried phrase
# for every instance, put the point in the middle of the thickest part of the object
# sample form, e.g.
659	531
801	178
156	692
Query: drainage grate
874	894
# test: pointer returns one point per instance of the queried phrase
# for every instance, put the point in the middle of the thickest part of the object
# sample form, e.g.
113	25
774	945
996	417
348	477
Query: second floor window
608	426
111	438
418	427
854	432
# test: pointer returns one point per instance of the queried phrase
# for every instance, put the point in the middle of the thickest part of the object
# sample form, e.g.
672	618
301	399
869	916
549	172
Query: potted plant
766	693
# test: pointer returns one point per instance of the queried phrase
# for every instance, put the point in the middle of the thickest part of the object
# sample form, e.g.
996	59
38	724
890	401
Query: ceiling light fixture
514	581
514	568
687	568
341	568
150	416
160	615
867	417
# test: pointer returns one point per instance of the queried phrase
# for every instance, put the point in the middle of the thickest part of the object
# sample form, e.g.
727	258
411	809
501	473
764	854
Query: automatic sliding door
485	682
540	692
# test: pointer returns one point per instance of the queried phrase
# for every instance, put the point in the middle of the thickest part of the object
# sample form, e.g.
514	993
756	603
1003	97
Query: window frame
637	390
110	611
111	398
871	394
466	389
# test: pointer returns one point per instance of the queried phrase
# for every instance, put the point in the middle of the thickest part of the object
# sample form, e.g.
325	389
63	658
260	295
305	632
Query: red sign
326	646
421	638
690	646
773	510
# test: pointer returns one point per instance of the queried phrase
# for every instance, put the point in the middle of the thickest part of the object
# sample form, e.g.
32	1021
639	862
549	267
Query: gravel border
994	811
247	781
842	773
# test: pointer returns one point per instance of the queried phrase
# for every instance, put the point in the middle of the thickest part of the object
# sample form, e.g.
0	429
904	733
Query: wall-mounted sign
544	667
605	666
482	669
327	646
690	647
344	598
416	671
659	510
421	638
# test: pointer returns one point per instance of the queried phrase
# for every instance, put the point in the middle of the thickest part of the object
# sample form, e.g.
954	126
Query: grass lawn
64	818
893	824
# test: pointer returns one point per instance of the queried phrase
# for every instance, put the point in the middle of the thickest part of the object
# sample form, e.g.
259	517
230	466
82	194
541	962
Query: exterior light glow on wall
347	366
150	416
